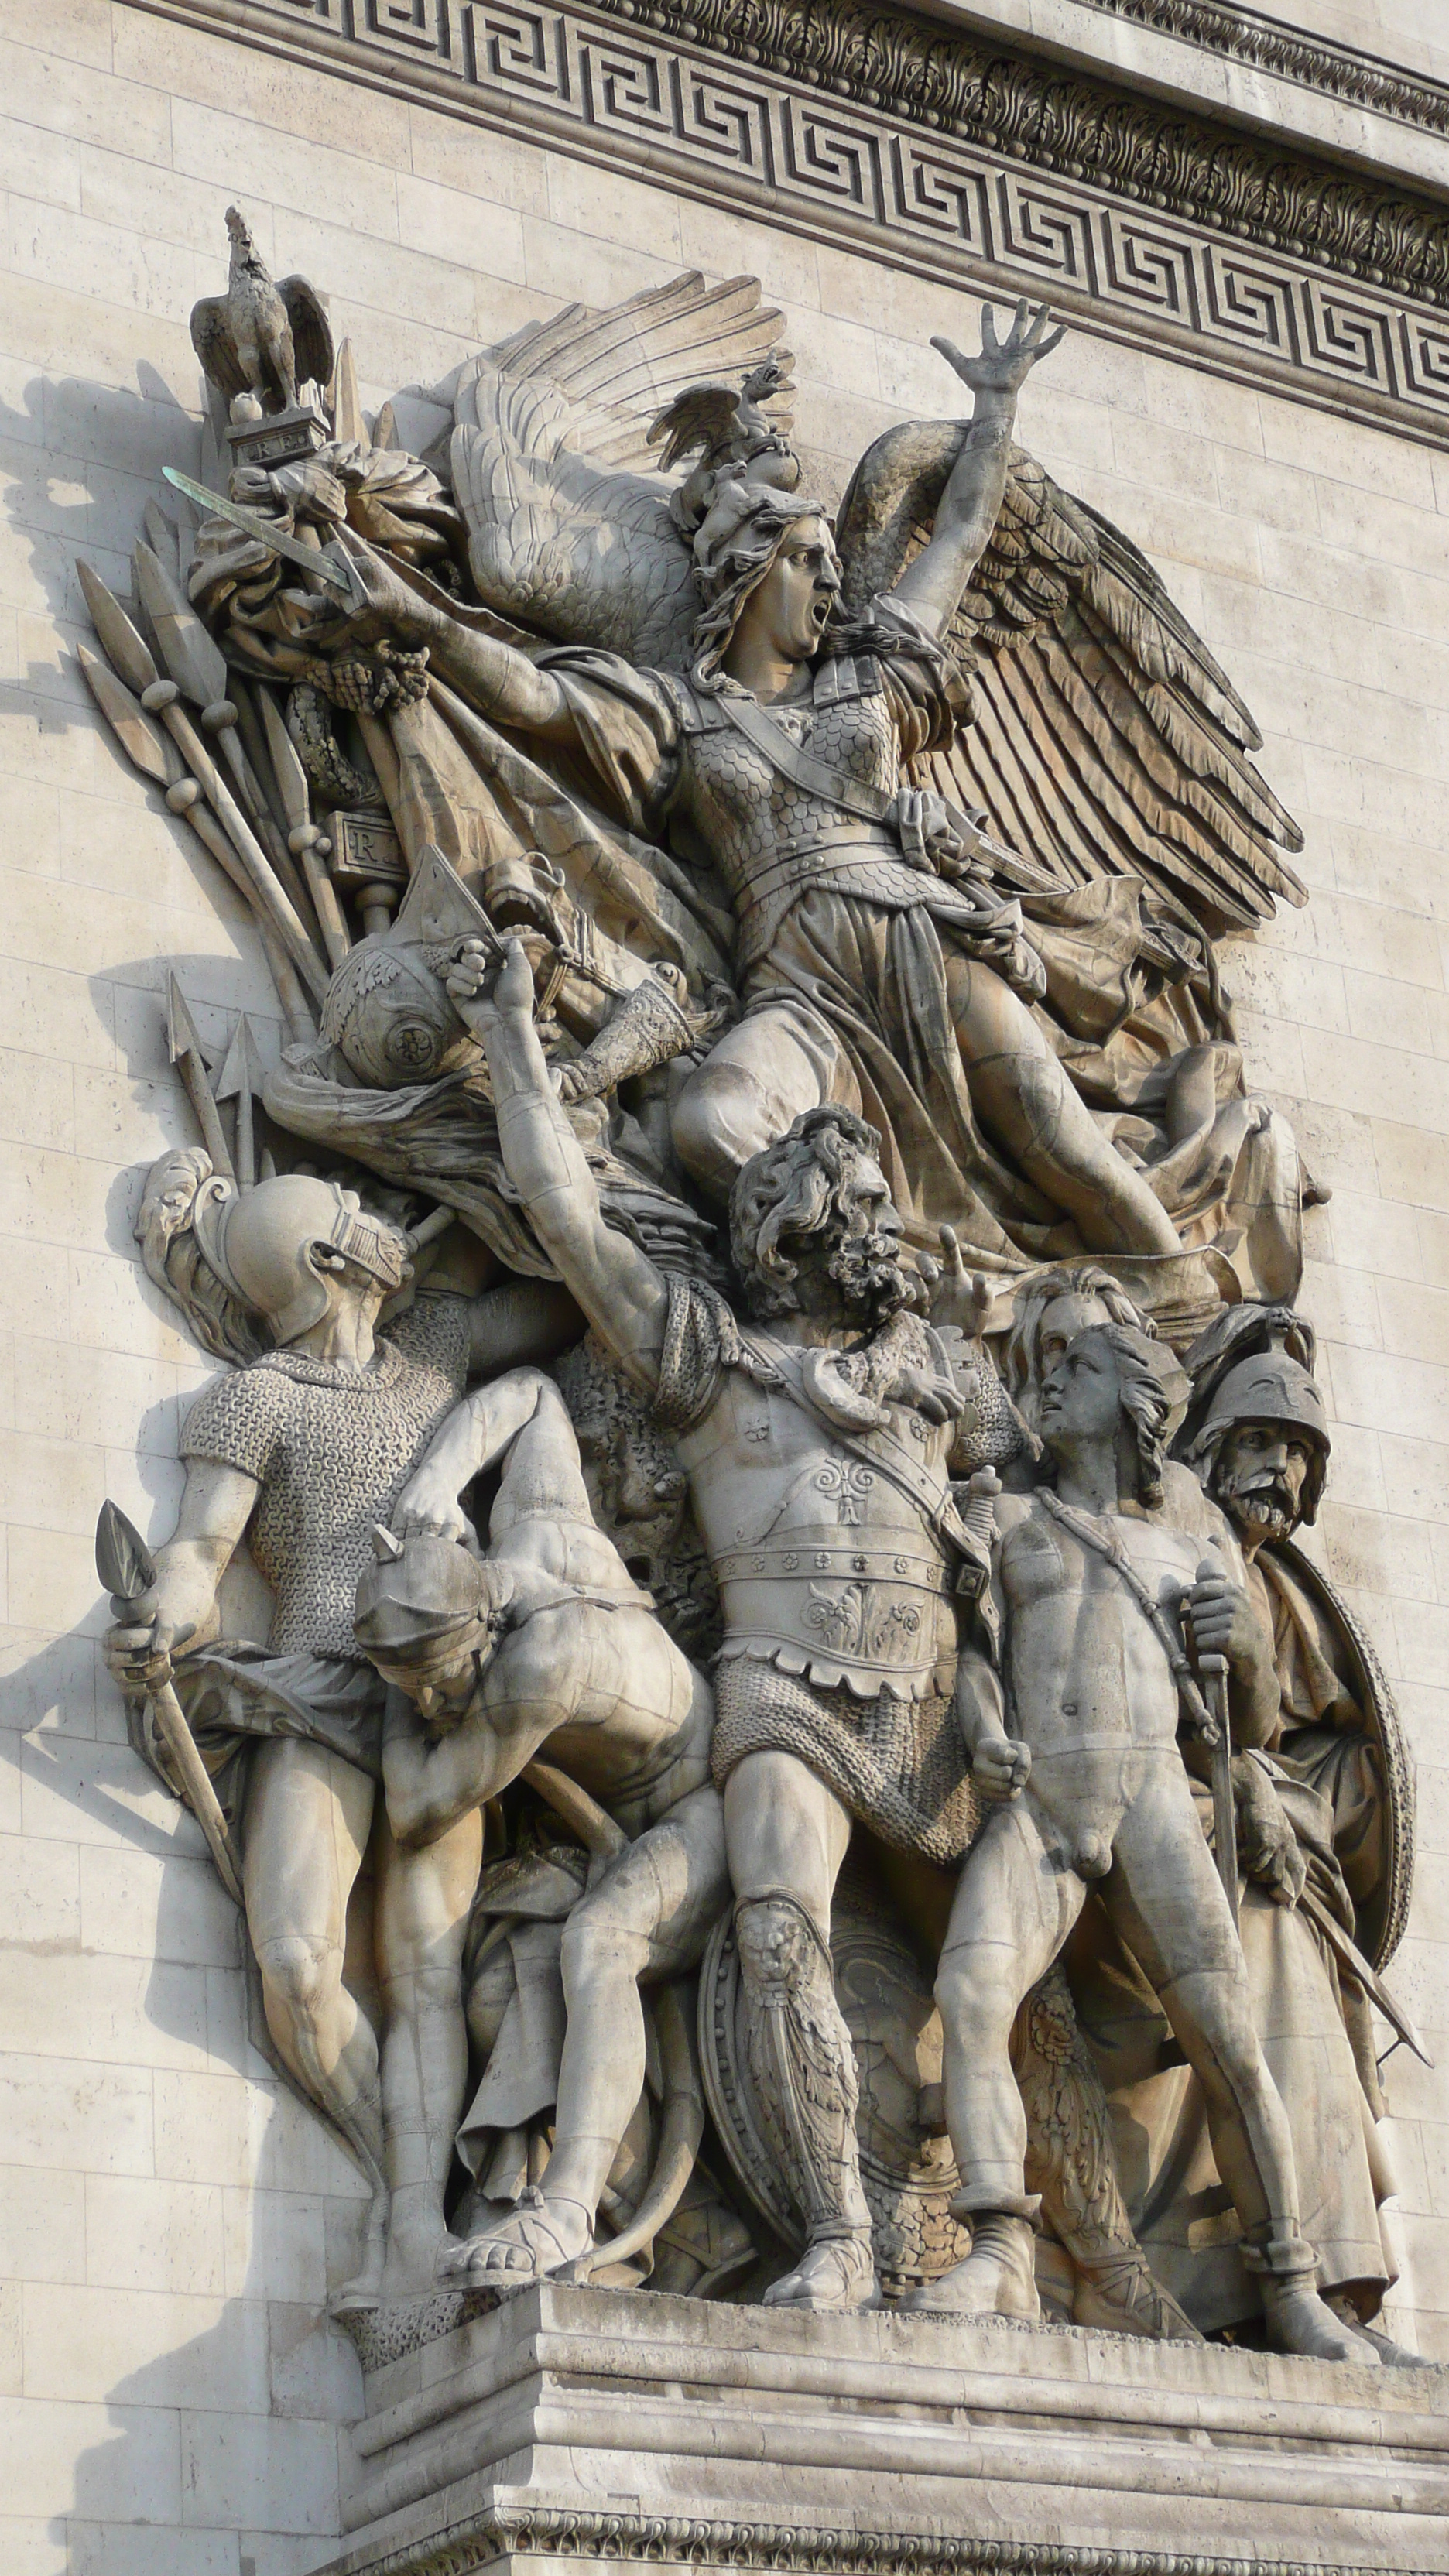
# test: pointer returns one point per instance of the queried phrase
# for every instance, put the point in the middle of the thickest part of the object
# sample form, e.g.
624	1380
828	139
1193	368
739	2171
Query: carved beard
867	1270
1264	1506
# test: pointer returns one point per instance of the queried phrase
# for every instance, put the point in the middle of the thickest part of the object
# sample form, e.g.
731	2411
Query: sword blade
1225	1820
252	524
1369	1978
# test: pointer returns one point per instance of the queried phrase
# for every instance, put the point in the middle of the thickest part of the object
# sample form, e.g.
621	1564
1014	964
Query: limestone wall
168	2217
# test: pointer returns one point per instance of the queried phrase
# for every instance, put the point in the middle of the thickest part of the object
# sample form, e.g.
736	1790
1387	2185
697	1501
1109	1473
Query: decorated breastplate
825	1564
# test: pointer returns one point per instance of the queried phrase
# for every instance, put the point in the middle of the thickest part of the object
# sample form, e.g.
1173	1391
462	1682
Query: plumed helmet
264	1245
427	1600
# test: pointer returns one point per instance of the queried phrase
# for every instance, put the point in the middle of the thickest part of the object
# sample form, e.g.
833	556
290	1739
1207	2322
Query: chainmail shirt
332	1450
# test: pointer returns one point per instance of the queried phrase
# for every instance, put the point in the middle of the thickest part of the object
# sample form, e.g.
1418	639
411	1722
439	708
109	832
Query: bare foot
537	2237
835	2276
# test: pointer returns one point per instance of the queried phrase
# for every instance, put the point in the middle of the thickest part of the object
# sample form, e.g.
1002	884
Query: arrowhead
128	720
242	1069
120	642
181	1034
124	1562
196	663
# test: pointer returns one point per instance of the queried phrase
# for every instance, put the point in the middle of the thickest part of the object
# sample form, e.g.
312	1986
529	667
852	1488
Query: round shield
885	1996
1382	1921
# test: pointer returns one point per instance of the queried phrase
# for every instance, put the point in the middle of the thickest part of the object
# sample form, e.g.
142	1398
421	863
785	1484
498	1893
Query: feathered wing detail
1105	739
211	338
311	331
568	525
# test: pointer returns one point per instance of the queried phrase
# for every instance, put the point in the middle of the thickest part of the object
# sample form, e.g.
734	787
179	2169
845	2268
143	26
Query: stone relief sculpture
758	1176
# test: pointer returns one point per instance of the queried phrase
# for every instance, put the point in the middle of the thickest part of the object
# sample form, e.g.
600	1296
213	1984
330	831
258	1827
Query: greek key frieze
931	159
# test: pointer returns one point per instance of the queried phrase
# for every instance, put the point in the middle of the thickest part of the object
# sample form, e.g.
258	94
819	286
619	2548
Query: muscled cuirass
772	839
825	1563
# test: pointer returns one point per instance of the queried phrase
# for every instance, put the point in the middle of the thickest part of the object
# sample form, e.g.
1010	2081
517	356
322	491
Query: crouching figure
544	1646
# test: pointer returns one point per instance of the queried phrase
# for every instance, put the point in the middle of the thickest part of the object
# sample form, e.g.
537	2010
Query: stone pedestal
597	2426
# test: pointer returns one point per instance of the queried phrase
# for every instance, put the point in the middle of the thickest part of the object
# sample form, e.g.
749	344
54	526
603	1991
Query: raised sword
327	564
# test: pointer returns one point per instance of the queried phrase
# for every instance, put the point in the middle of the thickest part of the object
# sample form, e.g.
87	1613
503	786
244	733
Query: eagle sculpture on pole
263	334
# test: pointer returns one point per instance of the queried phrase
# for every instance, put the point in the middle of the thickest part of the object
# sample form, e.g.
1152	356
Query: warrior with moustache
1077	1746
818	1437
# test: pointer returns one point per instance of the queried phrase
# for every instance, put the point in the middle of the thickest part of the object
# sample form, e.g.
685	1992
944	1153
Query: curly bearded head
815	1207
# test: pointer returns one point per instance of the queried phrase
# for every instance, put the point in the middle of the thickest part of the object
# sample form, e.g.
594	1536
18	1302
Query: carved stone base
597	2426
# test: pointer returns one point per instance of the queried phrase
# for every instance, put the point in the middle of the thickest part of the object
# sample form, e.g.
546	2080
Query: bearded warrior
818	1437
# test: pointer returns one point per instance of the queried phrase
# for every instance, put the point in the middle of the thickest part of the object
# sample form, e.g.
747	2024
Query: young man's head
429	1615
1104	1392
1048	1312
813	1229
1263	1450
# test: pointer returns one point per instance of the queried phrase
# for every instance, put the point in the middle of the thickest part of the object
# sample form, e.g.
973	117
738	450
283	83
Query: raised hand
1004	365
958	1296
488	985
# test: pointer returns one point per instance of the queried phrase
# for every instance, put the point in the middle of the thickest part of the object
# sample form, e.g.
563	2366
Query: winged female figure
779	706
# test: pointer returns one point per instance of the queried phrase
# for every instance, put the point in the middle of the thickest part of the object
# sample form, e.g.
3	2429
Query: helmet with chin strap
264	1246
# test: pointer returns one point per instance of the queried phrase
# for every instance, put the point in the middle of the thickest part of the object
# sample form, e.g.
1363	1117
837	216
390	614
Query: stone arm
180	1608
971	504
514	1324
619	1289
521	1415
492	675
1000	1765
432	1780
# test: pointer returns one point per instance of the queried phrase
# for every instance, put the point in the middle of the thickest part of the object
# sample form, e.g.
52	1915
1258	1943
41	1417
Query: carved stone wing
568	527
1106	740
311	330
211	338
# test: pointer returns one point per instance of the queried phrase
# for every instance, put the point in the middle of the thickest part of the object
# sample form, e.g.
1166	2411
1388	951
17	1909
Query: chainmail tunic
332	1450
900	1765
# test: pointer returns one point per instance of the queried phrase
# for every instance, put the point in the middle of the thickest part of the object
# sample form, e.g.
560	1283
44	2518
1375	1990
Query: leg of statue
646	1922
423	1901
308	1817
750	1088
1022	1096
1166	1901
1014	1907
787	1836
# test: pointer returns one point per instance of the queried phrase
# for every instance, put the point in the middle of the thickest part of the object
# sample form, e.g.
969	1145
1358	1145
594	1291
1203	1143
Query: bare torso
1091	1690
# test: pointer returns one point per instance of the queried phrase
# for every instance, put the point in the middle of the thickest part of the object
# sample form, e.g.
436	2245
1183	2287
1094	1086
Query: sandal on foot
527	2234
